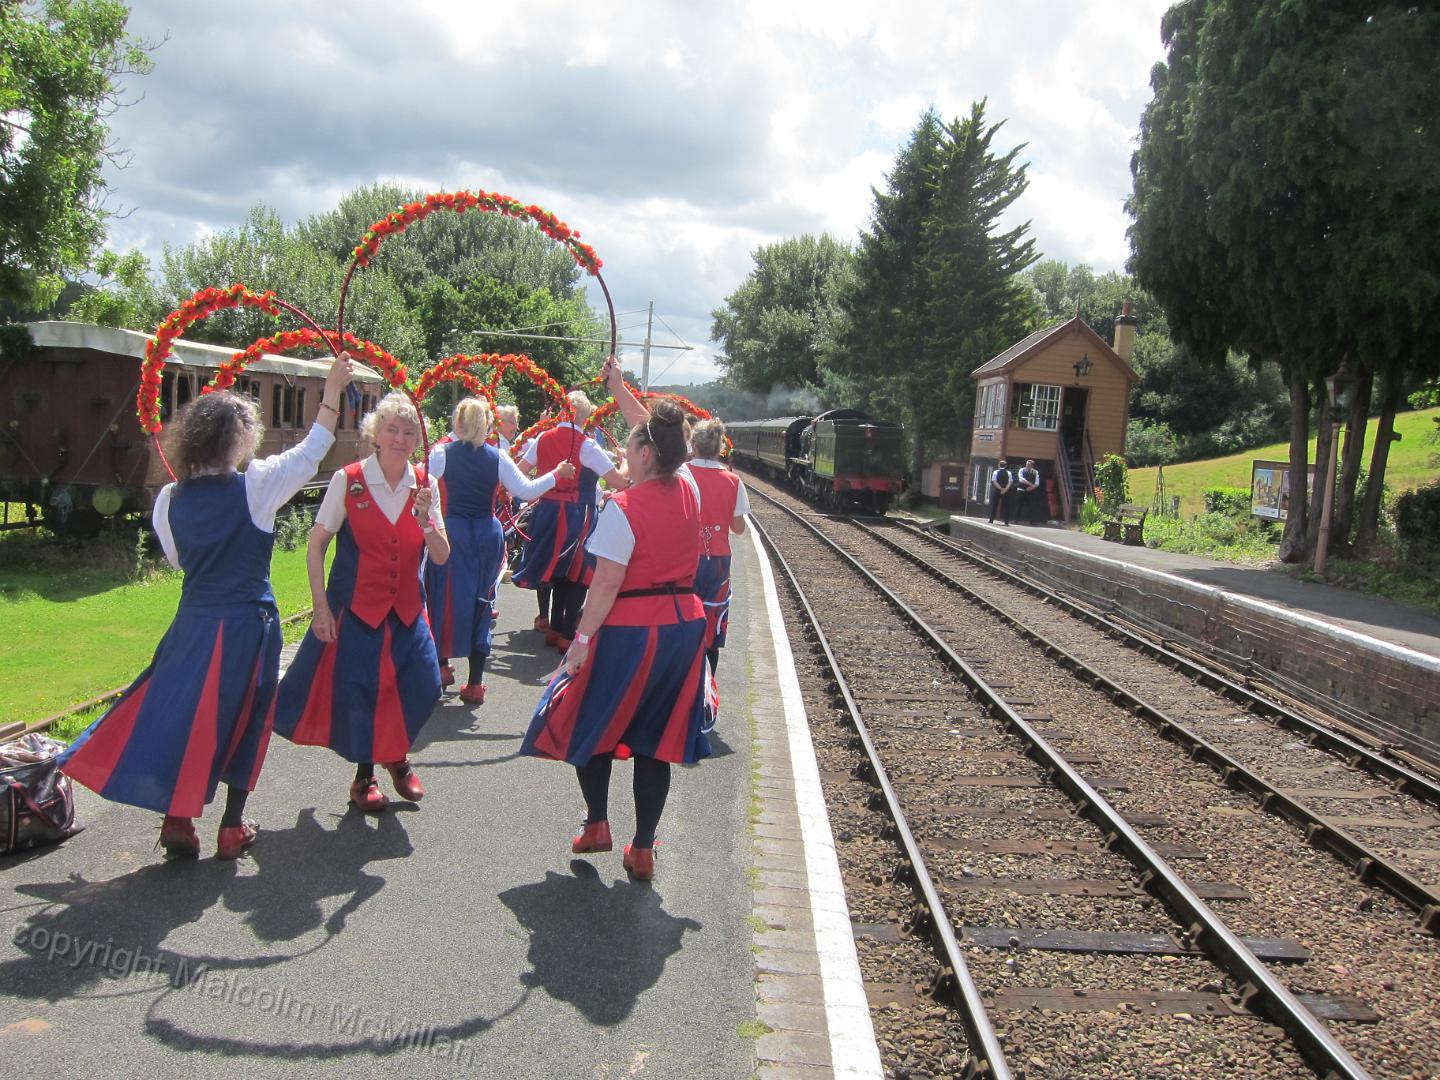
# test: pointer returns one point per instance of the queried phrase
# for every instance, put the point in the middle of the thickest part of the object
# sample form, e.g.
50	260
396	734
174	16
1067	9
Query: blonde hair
706	438
471	421
393	406
581	404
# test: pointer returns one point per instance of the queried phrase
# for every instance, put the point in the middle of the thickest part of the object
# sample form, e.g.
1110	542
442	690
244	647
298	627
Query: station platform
1377	659
459	936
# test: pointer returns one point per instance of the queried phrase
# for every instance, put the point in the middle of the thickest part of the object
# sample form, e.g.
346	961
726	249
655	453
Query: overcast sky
678	137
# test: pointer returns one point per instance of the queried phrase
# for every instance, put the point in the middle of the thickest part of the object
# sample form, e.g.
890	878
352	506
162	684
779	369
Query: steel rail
988	1059
1261	990
1368	865
1358	755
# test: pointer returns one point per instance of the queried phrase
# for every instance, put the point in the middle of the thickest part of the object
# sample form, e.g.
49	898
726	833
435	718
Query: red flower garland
290	340
489	202
611	407
203	304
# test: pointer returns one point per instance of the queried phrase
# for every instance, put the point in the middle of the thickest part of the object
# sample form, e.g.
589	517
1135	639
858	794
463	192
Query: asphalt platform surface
454	937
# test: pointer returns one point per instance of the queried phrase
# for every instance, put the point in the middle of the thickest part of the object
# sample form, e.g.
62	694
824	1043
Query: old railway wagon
71	446
842	459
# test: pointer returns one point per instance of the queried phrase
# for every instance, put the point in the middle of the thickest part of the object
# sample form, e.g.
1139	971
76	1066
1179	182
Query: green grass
1409	465
76	627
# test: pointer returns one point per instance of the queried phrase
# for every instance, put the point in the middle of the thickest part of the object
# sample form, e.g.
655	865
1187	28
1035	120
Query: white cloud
677	136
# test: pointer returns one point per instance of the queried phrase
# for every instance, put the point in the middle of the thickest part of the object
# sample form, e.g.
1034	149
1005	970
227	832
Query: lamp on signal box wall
1083	366
1338	388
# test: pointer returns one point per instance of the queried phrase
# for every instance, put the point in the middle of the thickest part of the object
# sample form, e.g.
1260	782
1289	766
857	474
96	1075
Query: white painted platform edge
853	1051
1355	637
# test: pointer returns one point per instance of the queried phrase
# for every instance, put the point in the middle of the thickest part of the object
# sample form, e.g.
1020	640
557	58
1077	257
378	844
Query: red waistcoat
719	488
388	575
665	519
554	446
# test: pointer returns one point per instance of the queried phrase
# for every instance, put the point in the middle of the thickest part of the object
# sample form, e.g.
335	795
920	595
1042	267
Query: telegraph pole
645	369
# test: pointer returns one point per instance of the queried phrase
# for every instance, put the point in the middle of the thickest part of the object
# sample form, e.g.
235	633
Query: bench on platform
1128	525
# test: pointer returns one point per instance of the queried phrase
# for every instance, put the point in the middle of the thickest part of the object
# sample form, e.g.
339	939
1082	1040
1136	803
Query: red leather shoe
234	839
407	784
594	836
366	796
541	623
177	837
447	676
561	643
639	862
473	695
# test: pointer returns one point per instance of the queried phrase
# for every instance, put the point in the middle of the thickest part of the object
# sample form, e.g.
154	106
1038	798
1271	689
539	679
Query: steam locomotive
841	459
71	445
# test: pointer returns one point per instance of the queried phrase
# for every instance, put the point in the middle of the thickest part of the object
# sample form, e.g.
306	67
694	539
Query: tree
937	290
772	328
60	62
1287	164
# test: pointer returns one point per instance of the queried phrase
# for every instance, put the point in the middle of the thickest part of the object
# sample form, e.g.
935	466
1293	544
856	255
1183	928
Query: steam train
71	445
841	459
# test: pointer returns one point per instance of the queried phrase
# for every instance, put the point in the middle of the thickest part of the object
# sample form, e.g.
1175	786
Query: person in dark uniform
1002	483
1027	484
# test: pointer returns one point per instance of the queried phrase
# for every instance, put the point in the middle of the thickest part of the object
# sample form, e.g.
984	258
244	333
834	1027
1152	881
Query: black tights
651	787
542	594
477	669
234	814
569	599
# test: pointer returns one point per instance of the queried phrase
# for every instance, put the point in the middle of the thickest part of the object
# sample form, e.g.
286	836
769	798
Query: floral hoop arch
611	407
200	305
397	221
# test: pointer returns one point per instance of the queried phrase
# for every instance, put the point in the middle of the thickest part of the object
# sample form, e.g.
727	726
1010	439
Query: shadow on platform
112	930
596	946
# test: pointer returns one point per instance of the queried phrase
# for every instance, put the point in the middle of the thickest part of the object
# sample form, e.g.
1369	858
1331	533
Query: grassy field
1409	465
75	630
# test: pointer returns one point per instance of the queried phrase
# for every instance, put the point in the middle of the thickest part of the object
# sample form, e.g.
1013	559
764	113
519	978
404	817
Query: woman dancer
554	557
723	506
365	678
460	595
633	680
197	714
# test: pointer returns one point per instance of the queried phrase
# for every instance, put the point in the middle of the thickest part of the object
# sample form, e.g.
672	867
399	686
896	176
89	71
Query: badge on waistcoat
357	489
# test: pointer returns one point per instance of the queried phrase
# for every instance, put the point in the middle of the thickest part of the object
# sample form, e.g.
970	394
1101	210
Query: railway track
1091	957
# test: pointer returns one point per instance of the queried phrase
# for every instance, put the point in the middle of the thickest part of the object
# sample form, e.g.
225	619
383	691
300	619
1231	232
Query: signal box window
1037	406
990	406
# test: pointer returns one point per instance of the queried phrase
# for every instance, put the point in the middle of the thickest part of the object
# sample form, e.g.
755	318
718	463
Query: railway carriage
842	459
71	445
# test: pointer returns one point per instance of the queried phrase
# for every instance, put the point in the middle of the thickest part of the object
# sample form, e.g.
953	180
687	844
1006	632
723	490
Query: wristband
332	408
582	639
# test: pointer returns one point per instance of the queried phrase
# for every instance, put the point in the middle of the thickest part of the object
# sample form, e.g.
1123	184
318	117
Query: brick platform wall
1387	690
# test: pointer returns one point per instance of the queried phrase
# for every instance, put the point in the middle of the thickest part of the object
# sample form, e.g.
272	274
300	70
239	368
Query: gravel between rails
920	1038
1364	943
1263	746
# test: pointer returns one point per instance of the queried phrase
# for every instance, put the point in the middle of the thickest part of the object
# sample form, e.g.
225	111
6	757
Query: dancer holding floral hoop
724	503
366	677
634	682
554	557
198	714
460	594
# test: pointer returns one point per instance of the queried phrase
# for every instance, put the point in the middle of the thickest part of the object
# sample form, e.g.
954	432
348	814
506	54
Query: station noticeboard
1270	488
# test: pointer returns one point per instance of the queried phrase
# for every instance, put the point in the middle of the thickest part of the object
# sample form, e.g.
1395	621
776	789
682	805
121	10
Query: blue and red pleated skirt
643	690
460	595
365	695
712	585
556	548
198	714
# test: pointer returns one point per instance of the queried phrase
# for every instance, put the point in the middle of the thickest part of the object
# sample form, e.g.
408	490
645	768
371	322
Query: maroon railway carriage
71	447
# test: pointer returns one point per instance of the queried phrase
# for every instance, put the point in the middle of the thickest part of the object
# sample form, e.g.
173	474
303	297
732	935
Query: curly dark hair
215	431
665	431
